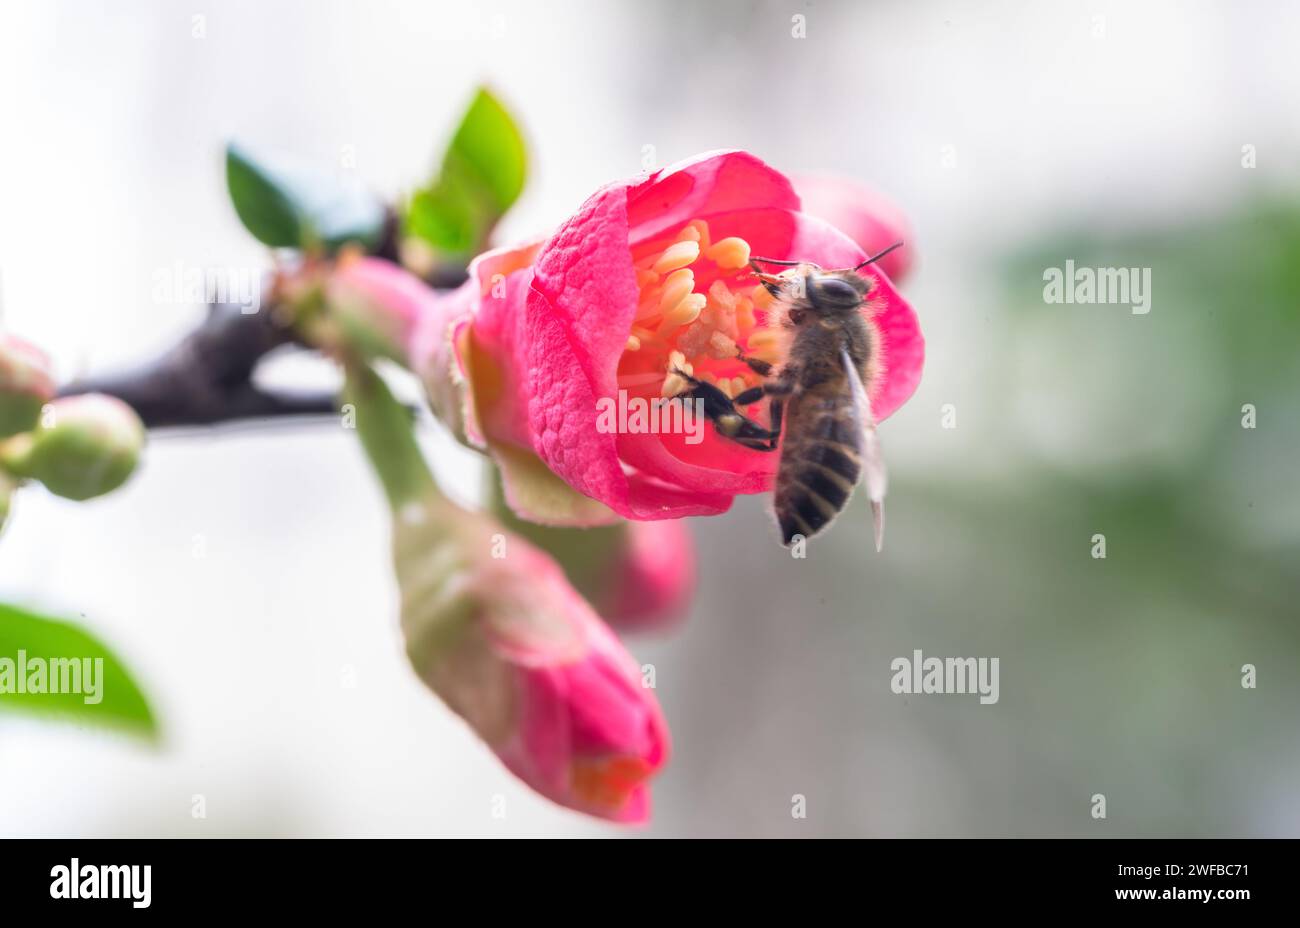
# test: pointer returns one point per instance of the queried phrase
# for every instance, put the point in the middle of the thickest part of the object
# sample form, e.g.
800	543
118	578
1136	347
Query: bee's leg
761	368
727	420
773	388
776	409
777	390
745	431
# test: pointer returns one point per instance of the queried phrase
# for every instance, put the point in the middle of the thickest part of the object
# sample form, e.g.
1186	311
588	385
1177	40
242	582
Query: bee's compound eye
836	290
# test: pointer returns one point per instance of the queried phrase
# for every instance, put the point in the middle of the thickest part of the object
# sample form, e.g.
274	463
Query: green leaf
28	640
482	174
488	149
287	206
264	208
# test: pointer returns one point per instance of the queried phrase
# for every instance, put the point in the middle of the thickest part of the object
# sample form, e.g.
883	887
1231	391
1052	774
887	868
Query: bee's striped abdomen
820	464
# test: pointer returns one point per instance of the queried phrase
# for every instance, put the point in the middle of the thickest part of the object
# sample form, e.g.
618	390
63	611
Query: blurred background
244	576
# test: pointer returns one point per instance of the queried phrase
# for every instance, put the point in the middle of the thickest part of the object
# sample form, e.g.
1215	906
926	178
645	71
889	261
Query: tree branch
206	378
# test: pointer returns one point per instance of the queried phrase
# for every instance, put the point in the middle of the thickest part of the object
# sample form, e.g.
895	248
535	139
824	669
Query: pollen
678	254
730	253
721	346
633	343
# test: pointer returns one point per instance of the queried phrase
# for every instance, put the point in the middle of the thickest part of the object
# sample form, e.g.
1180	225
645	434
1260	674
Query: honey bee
818	397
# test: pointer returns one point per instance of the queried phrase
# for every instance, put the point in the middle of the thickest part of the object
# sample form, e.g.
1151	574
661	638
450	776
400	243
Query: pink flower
495	629
868	217
645	268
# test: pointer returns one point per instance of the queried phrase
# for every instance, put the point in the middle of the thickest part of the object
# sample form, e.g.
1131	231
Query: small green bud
85	446
26	385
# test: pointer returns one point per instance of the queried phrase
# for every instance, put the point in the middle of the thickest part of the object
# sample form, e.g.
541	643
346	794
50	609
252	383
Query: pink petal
865	215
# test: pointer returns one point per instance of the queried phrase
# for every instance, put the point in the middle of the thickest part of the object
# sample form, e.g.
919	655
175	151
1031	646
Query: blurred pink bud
26	385
374	306
652	577
868	217
495	629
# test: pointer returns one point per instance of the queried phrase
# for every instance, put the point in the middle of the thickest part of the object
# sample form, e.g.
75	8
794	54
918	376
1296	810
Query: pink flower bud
652	577
375	305
495	629
85	446
26	385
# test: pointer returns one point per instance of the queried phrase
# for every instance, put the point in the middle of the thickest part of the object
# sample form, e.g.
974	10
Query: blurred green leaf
482	174
291	207
121	704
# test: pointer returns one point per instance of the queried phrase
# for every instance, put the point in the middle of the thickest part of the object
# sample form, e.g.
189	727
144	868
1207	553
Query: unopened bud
86	446
374	306
26	385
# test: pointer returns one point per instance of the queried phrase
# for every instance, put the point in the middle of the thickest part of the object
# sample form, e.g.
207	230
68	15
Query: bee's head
834	292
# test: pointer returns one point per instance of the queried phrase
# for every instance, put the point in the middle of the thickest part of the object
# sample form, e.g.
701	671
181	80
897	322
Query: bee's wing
873	463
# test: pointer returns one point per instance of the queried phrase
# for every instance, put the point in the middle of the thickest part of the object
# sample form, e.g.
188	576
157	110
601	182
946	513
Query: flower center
699	310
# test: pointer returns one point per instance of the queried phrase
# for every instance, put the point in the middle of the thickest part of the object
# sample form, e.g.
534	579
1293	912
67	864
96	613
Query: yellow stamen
745	313
677	327
730	253
676	286
702	227
679	254
687	310
648	307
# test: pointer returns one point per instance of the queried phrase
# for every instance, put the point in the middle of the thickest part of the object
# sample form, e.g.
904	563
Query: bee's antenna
878	255
779	261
